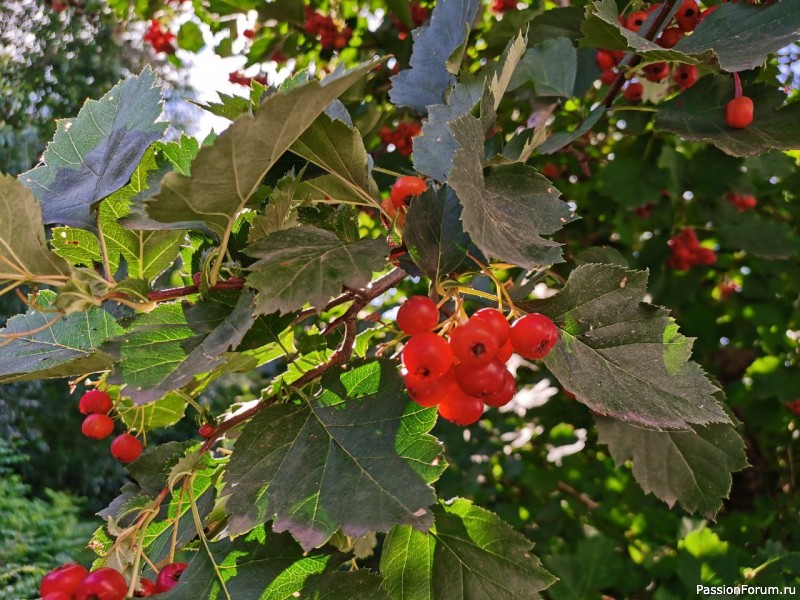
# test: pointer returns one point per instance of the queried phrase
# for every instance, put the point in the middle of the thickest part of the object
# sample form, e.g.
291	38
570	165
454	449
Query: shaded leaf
180	153
353	443
551	66
624	358
561	139
309	265
94	155
594	566
279	214
757	235
470	553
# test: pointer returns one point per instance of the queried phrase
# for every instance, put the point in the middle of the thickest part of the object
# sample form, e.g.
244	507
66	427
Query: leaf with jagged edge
307	265
624	358
469	553
738	36
507	212
180	153
551	67
698	115
24	254
360	438
280	213
226	174
69	347
427	79
94	155
692	466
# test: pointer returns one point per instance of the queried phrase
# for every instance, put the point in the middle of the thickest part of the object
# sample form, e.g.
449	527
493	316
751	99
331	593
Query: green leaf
692	467
428	79
341	220
280	213
699	115
24	254
347	585
67	348
433	234
190	37
470	553
359	439
226	174
95	154
551	66
623	358
561	139
180	153
78	246
507	212
757	235
309	265
594	566
163	413
616	183
556	23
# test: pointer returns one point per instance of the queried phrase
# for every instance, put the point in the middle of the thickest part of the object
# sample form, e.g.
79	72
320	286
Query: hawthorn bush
568	171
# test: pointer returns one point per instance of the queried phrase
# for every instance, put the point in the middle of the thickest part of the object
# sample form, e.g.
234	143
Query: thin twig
582	498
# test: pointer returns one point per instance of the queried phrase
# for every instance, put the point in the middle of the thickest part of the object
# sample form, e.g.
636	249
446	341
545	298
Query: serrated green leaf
556	23
551	67
624	358
352	441
341	220
595	566
226	174
507	212
470	553
180	153
561	139
190	37
699	115
94	155
309	265
162	413
757	235
427	80
692	467
78	246
24	254
68	348
280	213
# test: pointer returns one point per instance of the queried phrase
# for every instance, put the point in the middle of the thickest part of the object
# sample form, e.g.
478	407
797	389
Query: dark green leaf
563	138
551	66
190	37
556	23
594	567
757	235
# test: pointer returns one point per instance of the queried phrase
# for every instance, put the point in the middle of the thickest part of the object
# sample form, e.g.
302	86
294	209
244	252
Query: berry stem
737	86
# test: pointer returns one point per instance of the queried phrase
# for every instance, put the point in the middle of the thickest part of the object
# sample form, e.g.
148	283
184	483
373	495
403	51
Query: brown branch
582	498
661	18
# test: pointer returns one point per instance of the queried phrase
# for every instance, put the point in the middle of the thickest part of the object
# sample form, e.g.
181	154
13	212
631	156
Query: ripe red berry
57	596
505	394
608	77
633	92
405	188
103	584
474	343
794	406
550	171
427	356
418	314
605	60
739	112
126	448
249	34
496	321
670	37
533	336
169	575
65	578
97	426
483	380
206	430
395	215
704	15
687	15
461	408
145	589
742	202
656	71
431	393
686	76
635	20
95	401
505	351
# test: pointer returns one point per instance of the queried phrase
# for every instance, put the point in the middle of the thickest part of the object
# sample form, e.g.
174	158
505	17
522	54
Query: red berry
418	314
405	188
57	596
550	171
794	406
65	578
498	323
505	394
103	584
635	20
431	393
249	34
126	448
474	343
168	576
95	401
97	426
533	336
633	92
669	37
608	77
427	356
605	60
505	351
686	76
481	381
461	408
706	12
739	112
687	15
742	202
395	215
656	71
206	430
145	589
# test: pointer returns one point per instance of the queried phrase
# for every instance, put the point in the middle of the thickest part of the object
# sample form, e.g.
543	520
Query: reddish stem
737	85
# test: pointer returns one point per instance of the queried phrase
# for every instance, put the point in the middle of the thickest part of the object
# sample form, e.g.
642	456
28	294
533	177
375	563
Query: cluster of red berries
401	136
159	38
396	205
467	372
242	79
742	202
687	252
96	404
419	14
324	28
74	582
501	6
